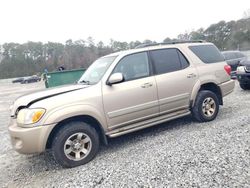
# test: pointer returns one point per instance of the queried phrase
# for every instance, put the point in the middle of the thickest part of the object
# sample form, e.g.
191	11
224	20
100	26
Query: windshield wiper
85	82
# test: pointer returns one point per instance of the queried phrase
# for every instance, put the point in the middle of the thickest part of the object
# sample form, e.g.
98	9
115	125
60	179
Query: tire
244	86
70	149
205	101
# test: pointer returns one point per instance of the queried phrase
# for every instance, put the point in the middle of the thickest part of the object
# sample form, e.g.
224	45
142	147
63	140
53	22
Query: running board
145	124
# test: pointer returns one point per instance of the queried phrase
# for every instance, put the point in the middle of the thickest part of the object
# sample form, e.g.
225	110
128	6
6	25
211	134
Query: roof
144	47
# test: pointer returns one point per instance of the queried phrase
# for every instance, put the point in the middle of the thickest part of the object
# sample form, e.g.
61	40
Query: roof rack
169	43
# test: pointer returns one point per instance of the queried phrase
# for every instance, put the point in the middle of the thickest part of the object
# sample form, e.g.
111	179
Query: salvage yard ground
178	153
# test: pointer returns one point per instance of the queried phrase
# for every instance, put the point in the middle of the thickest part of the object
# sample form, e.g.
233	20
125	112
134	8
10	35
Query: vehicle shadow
45	162
162	128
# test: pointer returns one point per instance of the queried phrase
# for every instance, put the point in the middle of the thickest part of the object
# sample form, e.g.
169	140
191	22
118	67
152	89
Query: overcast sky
127	20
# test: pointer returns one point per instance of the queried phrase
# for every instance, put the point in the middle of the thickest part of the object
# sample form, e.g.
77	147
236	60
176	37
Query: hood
27	100
245	63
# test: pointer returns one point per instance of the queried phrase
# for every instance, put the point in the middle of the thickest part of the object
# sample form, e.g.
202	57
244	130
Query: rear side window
207	53
183	60
166	60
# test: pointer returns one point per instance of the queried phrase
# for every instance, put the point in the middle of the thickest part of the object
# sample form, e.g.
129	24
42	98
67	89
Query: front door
134	99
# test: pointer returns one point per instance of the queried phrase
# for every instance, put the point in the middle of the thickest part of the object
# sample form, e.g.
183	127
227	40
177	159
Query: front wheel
244	86
75	144
206	106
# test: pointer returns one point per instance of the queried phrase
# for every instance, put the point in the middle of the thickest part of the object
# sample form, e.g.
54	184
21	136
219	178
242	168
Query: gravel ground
180	153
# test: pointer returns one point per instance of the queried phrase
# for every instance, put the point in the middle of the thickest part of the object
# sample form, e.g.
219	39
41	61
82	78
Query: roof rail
169	43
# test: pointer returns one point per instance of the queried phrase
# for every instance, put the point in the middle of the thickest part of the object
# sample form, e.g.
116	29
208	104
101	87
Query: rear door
175	79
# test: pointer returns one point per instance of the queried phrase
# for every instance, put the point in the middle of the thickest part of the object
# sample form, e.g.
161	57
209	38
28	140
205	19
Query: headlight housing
29	116
241	69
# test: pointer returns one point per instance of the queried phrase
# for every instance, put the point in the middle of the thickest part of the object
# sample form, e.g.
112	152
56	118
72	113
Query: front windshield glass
96	71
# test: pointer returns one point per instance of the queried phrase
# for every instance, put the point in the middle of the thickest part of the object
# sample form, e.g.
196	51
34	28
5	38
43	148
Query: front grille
247	68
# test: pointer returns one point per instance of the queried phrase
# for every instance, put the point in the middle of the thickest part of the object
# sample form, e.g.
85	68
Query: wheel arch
211	86
84	118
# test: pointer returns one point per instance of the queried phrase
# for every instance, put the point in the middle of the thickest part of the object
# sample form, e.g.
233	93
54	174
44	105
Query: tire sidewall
64	134
244	86
202	97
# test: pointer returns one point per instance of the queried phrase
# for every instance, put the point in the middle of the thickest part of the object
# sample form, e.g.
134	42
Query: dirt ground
180	153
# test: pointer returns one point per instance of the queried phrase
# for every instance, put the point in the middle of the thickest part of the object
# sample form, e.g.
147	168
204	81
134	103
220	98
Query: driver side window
133	66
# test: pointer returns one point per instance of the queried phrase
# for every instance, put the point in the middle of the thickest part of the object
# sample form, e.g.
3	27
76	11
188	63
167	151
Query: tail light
228	69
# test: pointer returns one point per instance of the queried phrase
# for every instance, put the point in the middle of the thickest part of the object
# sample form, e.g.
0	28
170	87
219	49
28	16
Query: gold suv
121	93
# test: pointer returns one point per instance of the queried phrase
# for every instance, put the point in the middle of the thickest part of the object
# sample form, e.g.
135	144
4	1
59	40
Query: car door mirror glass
115	78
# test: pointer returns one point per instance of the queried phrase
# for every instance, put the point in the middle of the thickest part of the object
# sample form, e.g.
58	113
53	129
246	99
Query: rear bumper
29	140
233	75
227	87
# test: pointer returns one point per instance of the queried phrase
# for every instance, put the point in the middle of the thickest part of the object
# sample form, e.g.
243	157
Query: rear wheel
75	144
244	86
206	106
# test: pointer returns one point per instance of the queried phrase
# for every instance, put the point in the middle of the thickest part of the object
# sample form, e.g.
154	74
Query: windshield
96	71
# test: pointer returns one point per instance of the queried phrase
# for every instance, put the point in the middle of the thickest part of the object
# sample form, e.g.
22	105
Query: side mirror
115	78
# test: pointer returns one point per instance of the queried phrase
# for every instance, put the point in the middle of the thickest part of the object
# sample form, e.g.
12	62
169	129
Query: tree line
225	35
34	57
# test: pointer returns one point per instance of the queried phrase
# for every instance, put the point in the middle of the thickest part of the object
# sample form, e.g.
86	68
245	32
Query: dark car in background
243	75
18	80
234	58
31	79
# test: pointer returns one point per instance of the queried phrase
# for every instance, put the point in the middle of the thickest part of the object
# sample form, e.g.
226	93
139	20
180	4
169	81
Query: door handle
192	75
146	85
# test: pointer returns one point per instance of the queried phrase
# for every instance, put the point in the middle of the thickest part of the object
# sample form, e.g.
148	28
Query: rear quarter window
207	53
